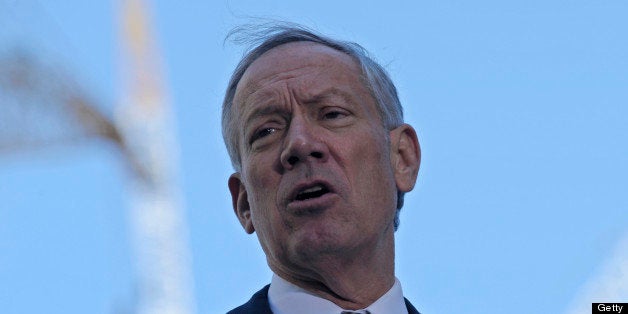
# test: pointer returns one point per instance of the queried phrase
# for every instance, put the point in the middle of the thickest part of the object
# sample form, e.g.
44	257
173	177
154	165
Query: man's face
318	171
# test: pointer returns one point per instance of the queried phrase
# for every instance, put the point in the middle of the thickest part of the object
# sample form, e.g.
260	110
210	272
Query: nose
302	144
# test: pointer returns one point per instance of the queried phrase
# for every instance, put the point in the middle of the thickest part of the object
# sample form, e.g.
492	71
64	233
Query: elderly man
315	132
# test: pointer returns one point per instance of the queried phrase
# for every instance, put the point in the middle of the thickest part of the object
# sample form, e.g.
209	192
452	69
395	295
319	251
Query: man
315	132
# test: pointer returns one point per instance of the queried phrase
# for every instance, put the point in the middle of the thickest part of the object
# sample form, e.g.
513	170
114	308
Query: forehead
302	63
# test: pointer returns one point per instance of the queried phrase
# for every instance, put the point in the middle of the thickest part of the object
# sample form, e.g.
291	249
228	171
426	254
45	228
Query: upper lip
306	185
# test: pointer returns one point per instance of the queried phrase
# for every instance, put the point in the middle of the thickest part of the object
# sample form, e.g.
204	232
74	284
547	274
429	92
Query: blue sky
521	110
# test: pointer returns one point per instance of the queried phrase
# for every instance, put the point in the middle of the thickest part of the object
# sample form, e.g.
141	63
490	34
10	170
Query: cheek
261	182
371	151
259	171
267	221
374	171
262	205
260	194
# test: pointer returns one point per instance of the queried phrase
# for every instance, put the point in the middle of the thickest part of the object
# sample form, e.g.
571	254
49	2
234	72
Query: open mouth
311	192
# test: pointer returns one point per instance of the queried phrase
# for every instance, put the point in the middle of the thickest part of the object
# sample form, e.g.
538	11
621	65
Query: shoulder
258	304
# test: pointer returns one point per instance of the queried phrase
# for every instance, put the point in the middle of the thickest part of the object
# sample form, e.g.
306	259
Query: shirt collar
287	298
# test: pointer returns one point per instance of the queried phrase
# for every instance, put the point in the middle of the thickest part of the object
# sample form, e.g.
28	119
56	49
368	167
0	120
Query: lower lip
312	205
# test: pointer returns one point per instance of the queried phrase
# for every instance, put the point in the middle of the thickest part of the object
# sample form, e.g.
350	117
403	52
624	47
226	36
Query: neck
351	281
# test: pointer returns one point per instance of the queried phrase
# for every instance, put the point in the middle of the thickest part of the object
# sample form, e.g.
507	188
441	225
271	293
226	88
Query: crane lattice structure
156	214
42	106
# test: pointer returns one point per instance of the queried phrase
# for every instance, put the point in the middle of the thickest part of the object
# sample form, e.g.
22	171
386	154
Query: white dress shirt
287	298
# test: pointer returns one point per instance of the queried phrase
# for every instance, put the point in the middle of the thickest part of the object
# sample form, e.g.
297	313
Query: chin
316	243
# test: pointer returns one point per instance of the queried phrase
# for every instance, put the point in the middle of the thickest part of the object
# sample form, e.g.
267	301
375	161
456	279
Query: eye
262	133
334	113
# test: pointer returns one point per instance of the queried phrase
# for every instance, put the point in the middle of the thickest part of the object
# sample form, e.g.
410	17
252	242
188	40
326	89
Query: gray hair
261	38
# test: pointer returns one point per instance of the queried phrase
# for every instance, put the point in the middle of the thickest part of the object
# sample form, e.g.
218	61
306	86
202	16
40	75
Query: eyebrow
328	93
274	108
264	110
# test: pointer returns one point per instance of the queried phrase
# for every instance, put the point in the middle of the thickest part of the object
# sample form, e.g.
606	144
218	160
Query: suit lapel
258	304
410	307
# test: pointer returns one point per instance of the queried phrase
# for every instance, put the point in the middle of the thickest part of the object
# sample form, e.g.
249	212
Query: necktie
356	312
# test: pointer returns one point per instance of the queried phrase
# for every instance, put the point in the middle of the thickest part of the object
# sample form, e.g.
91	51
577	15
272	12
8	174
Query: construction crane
42	106
156	213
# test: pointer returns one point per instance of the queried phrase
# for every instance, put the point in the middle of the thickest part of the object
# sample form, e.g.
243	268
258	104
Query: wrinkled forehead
290	60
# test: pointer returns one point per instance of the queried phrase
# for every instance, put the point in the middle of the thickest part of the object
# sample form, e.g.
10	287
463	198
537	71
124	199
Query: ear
405	156
239	199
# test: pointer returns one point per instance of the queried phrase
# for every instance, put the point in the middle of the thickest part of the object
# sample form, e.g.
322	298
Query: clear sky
521	108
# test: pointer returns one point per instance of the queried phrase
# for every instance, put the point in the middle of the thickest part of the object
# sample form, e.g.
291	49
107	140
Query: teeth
312	189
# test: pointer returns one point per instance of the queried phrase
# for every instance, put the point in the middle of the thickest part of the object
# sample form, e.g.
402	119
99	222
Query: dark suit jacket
258	304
